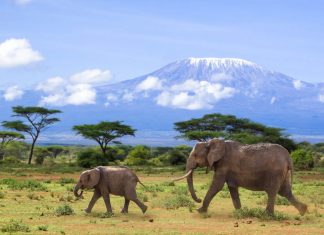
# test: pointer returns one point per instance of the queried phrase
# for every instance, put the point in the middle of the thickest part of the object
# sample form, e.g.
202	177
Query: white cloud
81	94
52	85
321	98
128	96
92	76
77	90
17	52
13	93
194	94
150	83
22	2
298	84
273	99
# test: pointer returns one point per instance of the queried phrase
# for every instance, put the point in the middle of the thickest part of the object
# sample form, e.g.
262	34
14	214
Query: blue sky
132	38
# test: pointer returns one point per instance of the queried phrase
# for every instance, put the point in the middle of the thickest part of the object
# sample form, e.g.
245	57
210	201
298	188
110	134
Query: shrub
2	195
43	227
40	154
10	160
258	213
153	188
177	202
180	190
90	158
64	181
64	210
15	226
138	156
303	159
28	184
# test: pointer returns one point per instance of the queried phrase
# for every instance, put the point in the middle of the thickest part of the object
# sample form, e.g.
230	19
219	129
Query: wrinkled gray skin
258	167
119	181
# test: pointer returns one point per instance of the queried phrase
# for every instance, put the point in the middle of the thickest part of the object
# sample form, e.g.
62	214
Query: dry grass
36	208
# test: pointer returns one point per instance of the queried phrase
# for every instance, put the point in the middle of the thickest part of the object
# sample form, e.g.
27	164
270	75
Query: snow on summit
221	62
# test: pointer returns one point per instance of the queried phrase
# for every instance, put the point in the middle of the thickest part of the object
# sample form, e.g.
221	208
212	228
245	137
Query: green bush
302	159
64	210
27	184
40	154
177	202
91	158
42	227
64	181
10	160
15	226
258	213
138	156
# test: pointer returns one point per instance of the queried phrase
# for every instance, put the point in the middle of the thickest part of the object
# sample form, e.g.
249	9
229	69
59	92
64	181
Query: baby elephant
119	181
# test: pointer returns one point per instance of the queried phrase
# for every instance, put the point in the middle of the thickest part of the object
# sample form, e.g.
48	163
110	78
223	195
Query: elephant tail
289	176
140	182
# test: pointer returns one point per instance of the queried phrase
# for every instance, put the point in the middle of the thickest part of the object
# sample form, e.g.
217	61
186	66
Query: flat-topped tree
6	137
35	118
104	133
230	127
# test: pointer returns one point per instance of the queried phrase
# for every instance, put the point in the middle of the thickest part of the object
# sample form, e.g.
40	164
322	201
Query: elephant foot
302	209
87	210
144	209
124	211
202	210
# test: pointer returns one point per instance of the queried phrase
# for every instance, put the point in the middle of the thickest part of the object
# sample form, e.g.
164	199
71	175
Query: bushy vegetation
15	226
303	159
91	157
178	201
26	184
64	210
259	213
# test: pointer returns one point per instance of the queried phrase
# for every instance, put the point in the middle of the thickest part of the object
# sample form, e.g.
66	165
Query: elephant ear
216	151
93	177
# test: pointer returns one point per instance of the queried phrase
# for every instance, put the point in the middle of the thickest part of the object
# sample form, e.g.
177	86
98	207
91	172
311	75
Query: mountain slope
193	87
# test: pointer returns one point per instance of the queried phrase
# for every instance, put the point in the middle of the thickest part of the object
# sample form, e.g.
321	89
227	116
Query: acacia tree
6	137
230	127
36	120
104	133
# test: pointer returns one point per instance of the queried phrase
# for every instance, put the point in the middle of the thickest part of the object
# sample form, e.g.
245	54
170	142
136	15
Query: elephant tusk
182	177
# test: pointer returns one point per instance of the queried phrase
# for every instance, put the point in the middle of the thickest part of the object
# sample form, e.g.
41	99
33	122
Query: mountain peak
220	62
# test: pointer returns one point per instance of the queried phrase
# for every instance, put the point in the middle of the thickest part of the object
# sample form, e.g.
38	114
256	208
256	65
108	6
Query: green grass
64	181
15	226
64	210
26	184
259	213
2	194
175	202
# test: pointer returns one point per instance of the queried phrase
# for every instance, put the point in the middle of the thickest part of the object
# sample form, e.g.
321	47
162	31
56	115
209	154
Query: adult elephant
259	167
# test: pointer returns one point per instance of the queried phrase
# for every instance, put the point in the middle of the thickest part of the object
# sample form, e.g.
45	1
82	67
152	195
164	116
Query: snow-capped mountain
190	88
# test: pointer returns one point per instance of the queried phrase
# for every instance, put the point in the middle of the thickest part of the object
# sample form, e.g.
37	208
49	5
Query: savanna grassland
39	200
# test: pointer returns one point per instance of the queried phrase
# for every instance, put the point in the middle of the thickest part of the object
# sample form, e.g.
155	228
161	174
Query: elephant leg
271	202
286	192
94	198
235	197
126	204
107	202
216	186
140	205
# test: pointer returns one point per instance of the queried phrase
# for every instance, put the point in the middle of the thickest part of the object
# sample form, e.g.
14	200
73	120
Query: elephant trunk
76	189
190	166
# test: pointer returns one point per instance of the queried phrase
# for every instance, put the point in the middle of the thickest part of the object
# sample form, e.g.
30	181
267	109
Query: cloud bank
190	94
78	89
13	93
17	52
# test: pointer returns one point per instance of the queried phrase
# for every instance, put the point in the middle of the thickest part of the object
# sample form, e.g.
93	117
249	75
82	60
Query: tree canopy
6	137
104	133
35	118
230	127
